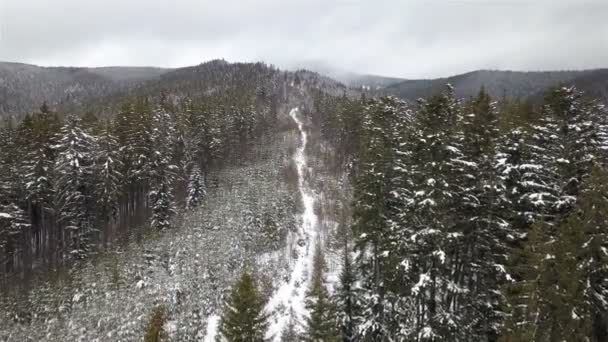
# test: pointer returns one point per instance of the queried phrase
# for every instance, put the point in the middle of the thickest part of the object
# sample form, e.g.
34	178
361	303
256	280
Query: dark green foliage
322	324
244	317
155	329
477	223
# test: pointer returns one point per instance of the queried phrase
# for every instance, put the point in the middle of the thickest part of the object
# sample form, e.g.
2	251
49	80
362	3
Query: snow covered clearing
290	296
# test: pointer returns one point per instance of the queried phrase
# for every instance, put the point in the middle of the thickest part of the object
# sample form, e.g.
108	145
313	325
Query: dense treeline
70	186
474	220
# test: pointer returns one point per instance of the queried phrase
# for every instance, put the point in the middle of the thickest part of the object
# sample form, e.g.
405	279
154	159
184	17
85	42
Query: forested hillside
24	87
239	202
501	84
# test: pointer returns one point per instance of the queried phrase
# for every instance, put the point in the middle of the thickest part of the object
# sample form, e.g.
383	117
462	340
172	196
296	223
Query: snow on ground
213	322
189	270
290	296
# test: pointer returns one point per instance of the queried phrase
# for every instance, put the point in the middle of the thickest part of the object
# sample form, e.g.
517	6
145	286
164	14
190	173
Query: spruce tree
590	221
75	186
244	317
373	212
108	180
322	321
162	172
196	188
346	299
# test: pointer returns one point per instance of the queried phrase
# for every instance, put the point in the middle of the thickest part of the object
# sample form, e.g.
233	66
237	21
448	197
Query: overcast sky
407	38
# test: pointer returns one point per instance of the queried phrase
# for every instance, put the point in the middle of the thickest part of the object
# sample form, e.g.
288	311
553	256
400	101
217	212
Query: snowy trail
212	328
290	296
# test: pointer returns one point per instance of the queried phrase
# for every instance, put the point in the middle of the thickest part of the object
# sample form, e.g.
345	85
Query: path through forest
289	299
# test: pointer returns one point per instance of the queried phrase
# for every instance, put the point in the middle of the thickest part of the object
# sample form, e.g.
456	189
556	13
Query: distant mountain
504	83
24	87
129	74
368	82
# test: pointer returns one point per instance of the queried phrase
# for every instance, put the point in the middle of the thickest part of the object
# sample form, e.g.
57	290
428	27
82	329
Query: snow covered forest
239	202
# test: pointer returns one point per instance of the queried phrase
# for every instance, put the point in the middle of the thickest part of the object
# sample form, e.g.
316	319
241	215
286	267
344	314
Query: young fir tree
244	317
196	189
322	321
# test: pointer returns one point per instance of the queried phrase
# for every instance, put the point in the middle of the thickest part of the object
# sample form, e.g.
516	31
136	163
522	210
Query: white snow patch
424	278
213	322
290	296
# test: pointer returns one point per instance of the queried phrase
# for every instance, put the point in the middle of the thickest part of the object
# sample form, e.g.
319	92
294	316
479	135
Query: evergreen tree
432	234
481	259
74	186
372	211
290	333
108	179
321	324
196	188
346	298
589	226
14	228
244	317
162	172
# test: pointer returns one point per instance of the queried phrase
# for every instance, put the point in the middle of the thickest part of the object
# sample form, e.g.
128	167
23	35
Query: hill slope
502	83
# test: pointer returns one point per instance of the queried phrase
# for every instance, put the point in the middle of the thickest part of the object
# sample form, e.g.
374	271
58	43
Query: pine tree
244	317
321	324
196	188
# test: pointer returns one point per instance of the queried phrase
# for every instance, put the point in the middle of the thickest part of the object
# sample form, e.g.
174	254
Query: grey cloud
408	38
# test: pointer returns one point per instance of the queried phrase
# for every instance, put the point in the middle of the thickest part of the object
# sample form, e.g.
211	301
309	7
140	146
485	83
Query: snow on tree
195	191
321	323
14	227
372	212
162	172
74	186
108	177
244	317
